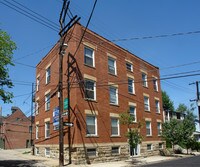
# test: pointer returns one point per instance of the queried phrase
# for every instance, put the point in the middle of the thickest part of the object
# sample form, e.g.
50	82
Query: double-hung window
144	79
47	151
112	66
89	56
148	128
155	84
131	87
48	74
159	128
91	124
132	110
47	102
129	66
146	103
37	131
157	104
90	89
114	127
47	129
37	83
149	147
113	95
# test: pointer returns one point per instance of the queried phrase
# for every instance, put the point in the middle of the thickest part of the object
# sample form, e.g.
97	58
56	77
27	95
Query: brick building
15	130
106	81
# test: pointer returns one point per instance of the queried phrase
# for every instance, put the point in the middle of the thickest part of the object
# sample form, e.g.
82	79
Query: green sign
66	104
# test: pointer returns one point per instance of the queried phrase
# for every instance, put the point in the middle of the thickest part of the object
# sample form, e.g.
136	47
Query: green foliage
168	104
180	131
133	134
182	108
6	51
171	131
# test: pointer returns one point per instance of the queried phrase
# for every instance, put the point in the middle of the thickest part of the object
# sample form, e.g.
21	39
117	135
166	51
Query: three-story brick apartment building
106	81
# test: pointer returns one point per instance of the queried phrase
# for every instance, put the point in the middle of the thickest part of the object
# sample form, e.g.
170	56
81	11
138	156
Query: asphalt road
182	162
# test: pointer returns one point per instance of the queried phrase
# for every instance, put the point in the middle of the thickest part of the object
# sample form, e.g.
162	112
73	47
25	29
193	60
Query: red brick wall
79	104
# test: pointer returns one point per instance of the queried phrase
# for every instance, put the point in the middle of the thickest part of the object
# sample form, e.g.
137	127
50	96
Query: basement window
92	152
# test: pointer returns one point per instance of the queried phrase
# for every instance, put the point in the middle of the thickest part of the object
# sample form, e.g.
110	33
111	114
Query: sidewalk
24	155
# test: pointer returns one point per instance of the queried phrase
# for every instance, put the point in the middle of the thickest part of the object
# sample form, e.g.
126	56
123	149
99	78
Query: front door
135	151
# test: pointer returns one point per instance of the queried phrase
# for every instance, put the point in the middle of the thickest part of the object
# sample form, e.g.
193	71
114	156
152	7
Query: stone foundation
98	152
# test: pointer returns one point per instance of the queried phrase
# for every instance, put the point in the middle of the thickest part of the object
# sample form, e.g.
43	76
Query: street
193	161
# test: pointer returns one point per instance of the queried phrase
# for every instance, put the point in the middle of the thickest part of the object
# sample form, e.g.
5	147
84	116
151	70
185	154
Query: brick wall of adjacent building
15	130
101	107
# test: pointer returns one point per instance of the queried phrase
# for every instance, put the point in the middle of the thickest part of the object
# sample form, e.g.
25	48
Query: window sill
89	136
115	136
47	110
148	135
158	113
91	100
116	105
147	111
93	67
115	75
132	93
145	86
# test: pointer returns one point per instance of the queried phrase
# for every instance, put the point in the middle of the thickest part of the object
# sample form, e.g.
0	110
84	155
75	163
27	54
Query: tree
171	131
182	108
168	104
133	134
7	46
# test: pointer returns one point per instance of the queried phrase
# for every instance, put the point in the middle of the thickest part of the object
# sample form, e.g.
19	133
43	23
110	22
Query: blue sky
113	19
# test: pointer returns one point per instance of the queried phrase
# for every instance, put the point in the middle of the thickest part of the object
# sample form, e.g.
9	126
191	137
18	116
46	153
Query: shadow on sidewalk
19	163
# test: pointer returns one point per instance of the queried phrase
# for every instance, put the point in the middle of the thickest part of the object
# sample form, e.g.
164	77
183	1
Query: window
113	95
37	131
112	66
131	88
92	152
47	102
36	108
47	129
159	128
48	75
146	103
30	129
115	150
160	145
37	83
155	84
148	128
37	151
91	123
149	147
129	66
157	103
144	79
89	56
90	89
114	127
133	113
47	151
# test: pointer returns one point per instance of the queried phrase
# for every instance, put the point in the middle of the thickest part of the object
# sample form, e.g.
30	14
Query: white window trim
128	62
156	79
46	137
151	147
157	107
118	127
148	101
96	133
133	85
135	112
117	100
86	79
160	128
93	56
37	131
115	65
150	129
46	109
37	83
48	75
144	82
46	152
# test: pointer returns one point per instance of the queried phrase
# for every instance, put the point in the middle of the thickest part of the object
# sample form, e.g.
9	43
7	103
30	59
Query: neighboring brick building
15	130
107	80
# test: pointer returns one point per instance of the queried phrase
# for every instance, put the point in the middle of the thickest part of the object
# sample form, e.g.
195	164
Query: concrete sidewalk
25	156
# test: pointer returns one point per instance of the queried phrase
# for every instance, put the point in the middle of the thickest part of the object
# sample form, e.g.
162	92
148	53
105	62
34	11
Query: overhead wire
29	15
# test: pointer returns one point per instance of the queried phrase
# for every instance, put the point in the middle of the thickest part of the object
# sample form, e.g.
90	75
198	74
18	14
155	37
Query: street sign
66	104
56	116
68	124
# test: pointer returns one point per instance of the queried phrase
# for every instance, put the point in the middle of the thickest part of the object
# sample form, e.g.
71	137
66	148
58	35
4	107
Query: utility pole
32	100
63	34
198	98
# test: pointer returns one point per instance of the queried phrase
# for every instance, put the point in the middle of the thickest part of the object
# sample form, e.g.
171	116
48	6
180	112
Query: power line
156	36
29	15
